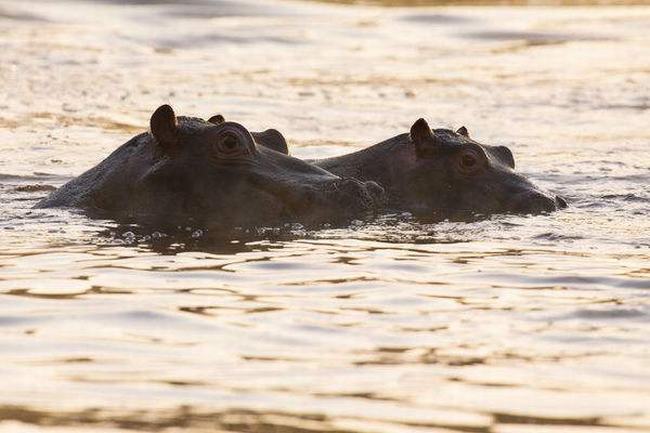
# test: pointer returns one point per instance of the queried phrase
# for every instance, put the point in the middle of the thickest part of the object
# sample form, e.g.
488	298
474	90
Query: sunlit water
513	324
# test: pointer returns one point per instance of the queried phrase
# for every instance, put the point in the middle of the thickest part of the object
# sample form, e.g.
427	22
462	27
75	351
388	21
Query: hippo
212	173
443	173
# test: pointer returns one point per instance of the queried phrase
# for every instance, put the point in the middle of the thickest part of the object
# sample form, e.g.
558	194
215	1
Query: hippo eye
469	161
230	146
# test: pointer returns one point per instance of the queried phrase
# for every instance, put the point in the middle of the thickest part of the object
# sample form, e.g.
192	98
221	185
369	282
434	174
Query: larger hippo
187	170
445	174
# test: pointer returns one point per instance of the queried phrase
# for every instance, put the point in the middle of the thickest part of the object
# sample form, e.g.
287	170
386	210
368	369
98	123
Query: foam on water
509	324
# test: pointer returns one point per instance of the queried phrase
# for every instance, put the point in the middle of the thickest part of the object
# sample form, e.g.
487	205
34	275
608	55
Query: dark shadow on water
389	229
400	228
174	240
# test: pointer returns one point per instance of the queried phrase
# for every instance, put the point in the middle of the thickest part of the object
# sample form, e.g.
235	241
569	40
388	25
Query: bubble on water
298	229
128	237
158	235
197	234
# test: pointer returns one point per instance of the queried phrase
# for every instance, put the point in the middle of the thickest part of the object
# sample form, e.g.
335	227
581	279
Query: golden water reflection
496	325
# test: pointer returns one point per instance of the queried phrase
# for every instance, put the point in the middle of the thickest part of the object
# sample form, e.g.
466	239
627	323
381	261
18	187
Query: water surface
511	324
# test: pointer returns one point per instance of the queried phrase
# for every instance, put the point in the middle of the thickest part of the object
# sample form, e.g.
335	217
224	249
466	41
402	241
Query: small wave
535	38
19	16
191	42
618	313
436	19
151	2
631	198
34	188
549	236
36	176
220	9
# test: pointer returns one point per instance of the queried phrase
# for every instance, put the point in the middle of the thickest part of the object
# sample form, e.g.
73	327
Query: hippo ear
217	119
505	155
164	127
424	140
272	139
463	131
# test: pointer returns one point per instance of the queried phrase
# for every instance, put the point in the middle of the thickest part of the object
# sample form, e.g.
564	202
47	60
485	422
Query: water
512	324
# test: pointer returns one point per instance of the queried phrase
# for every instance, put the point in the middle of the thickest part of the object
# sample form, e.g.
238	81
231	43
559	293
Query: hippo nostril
561	203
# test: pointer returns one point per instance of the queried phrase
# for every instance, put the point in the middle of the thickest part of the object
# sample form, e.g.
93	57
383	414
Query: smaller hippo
213	173
444	174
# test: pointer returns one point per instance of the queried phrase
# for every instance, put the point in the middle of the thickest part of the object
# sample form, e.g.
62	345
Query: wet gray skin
444	174
212	173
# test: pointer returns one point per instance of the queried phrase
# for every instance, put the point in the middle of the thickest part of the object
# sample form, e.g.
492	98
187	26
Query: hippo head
215	173
455	173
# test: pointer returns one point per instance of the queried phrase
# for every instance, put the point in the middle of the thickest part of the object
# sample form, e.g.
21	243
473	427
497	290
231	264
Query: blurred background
512	324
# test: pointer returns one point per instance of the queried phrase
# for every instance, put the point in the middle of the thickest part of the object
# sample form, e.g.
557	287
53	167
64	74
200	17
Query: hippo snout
537	202
338	200
376	192
357	195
